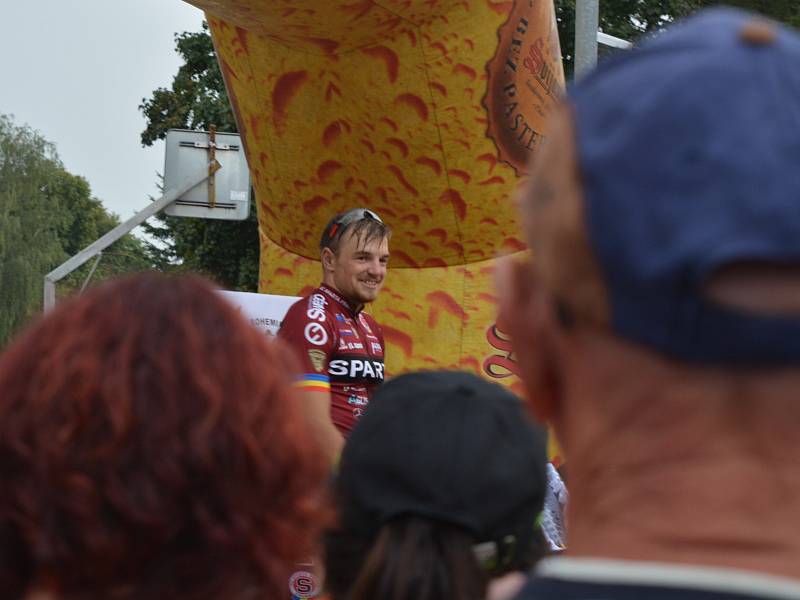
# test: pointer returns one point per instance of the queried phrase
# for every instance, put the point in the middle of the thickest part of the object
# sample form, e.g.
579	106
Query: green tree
82	219
29	245
226	251
631	19
47	215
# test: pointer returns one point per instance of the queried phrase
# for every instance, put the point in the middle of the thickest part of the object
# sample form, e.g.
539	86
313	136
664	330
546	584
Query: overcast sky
77	70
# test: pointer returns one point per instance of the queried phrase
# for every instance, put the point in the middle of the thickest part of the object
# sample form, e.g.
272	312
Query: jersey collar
641	573
336	297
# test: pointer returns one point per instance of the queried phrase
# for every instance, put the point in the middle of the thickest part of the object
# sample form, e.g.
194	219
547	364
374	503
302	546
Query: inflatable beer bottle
426	111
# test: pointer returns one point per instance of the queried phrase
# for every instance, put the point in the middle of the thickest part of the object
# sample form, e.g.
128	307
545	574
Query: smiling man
339	345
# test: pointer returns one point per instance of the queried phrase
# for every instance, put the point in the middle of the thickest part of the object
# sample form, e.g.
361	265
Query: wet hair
363	223
150	447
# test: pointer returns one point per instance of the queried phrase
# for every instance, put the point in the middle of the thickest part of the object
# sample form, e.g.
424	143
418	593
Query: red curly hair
151	447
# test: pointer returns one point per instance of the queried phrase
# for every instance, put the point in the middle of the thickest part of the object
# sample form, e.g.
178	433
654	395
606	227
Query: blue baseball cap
689	154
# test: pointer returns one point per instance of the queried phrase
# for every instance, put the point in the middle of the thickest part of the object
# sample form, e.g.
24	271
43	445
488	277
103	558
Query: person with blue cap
658	325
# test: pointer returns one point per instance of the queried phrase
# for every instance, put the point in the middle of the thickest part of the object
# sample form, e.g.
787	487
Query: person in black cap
658	326
439	490
339	345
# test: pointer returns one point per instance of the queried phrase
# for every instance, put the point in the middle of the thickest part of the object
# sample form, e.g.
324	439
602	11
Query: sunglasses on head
352	216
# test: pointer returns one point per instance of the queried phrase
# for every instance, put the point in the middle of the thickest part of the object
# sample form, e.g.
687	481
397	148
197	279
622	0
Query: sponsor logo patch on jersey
317	358
316	307
356	368
340	317
303	584
316	334
358	400
376	348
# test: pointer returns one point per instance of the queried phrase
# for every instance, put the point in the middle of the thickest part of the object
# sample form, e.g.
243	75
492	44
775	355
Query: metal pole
112	236
91	271
49	294
613	42
587	20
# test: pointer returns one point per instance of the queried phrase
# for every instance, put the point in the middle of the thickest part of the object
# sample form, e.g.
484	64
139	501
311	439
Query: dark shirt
589	579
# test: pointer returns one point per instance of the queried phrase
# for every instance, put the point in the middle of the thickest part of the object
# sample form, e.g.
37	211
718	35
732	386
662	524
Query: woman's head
444	469
150	447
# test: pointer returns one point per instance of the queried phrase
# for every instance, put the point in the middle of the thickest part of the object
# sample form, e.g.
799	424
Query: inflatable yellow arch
426	111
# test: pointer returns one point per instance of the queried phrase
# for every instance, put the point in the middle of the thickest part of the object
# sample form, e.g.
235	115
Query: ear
328	259
525	313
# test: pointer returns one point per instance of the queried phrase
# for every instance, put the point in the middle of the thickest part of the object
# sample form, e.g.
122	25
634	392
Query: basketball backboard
226	193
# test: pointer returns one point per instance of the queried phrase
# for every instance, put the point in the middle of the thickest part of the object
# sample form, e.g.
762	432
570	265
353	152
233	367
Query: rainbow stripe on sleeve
313	382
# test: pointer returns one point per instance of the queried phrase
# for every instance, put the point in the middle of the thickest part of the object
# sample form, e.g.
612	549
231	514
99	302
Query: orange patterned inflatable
423	110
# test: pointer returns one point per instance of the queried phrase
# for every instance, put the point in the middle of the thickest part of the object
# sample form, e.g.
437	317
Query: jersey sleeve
307	330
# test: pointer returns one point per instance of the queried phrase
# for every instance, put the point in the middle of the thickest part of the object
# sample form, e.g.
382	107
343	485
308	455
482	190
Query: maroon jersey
340	350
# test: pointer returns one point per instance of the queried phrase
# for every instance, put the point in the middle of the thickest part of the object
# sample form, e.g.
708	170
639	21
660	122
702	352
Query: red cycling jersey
341	351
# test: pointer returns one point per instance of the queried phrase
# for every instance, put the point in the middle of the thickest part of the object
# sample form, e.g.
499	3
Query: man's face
359	268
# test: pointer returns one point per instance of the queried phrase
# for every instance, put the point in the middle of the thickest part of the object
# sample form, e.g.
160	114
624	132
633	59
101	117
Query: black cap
451	447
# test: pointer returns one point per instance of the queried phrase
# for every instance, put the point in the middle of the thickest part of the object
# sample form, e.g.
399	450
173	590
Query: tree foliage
46	216
28	239
226	251
82	219
631	19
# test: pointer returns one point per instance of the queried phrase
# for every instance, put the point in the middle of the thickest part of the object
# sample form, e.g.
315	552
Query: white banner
264	311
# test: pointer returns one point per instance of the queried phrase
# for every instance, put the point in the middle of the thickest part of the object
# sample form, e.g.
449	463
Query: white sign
264	311
186	153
